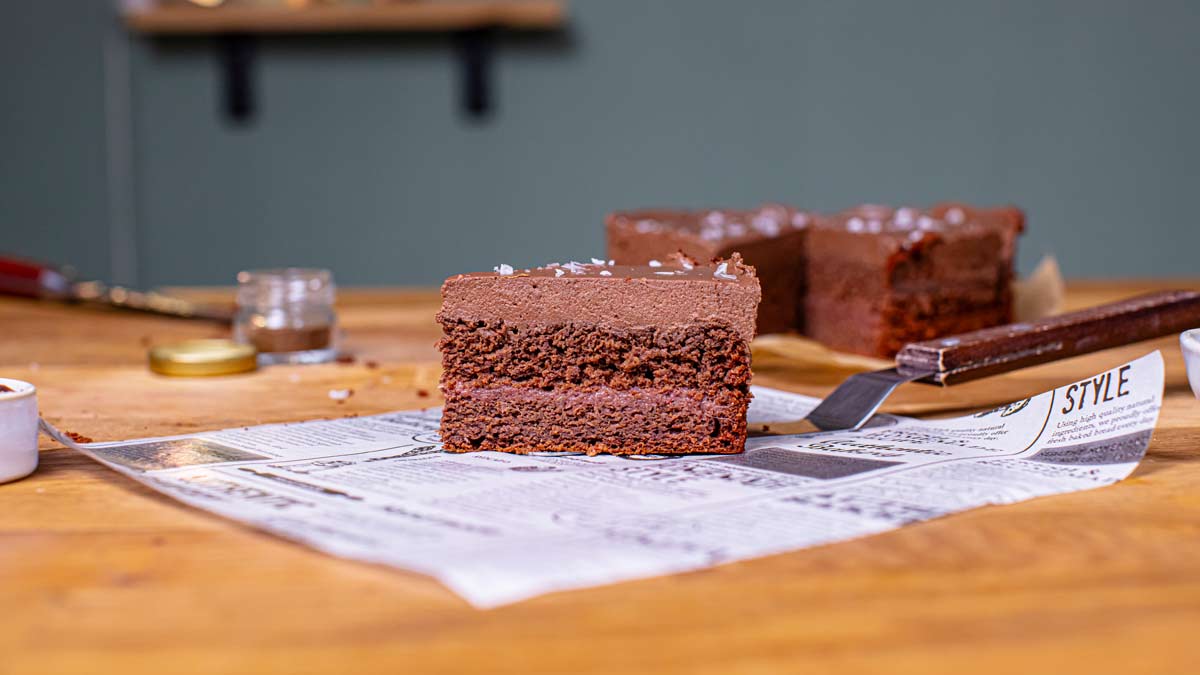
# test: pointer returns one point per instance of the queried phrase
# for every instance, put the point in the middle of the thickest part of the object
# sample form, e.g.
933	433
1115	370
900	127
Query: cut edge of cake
596	357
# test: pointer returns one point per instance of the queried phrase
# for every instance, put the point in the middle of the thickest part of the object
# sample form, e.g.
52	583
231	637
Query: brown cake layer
770	237
864	280
489	353
879	278
866	329
568	419
598	358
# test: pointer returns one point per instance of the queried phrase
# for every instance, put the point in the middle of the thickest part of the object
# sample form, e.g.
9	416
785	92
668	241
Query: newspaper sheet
498	528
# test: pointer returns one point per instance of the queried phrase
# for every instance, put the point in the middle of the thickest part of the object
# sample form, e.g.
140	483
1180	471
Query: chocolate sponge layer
583	388
519	419
488	353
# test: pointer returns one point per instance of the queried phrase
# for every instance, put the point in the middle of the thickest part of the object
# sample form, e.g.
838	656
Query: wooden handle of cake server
991	351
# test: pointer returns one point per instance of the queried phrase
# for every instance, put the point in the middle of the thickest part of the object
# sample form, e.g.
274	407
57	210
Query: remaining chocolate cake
598	358
879	278
771	238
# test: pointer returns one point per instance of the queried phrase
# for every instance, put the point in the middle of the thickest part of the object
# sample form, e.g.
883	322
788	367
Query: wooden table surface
99	574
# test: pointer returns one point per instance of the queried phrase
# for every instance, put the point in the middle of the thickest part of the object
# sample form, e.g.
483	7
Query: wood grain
416	15
100	575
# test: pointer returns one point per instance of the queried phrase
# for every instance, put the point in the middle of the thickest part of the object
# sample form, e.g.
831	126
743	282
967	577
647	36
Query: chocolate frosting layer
625	296
723	226
912	223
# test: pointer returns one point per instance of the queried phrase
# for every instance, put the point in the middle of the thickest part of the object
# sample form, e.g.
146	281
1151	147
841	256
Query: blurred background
120	155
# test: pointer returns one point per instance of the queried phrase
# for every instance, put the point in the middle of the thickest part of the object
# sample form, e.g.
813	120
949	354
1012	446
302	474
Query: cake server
991	351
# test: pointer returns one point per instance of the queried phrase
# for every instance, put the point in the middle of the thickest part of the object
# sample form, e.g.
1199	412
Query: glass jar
287	314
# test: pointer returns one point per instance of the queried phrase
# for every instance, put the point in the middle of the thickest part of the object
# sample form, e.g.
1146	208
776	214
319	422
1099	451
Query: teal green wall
1084	113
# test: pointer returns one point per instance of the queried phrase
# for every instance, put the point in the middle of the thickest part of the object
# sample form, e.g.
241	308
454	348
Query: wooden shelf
417	15
472	20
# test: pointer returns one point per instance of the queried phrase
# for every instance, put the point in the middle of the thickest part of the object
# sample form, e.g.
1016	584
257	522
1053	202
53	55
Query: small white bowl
18	429
1190	342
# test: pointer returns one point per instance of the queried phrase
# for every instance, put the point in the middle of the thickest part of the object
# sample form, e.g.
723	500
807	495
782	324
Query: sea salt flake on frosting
575	267
715	218
722	272
765	223
926	223
855	224
955	216
799	219
597	261
605	273
654	263
646	226
503	270
558	272
686	264
905	216
669	274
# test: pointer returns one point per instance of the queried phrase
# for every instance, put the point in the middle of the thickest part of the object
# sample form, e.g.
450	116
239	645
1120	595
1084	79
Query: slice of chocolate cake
879	278
770	237
598	358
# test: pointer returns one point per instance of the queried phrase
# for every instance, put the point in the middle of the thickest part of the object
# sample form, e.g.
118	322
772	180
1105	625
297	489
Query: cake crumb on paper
78	438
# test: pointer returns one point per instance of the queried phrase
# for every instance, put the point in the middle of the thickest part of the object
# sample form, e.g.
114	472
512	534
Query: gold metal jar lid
203	357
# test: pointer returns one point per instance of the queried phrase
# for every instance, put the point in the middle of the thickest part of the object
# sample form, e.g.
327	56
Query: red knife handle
30	279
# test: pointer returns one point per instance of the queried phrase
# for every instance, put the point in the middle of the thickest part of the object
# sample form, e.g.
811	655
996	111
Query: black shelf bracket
476	49
237	90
